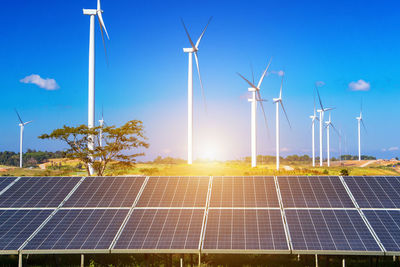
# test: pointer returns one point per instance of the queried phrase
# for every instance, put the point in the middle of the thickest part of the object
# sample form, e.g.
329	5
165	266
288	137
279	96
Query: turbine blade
263	75
98	5
201	36
201	83
284	111
314	105
251	85
280	92
27	122
252	72
187	33
365	128
101	21
334	128
319	98
265	116
104	43
19	117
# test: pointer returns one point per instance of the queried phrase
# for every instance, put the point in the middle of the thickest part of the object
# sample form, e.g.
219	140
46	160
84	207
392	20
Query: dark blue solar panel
38	192
106	192
249	191
162	229
313	192
5	181
245	229
375	192
335	230
17	225
175	192
386	224
79	229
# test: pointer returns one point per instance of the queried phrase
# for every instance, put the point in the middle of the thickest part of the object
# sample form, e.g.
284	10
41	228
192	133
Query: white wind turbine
101	122
278	101
193	49
328	125
91	84
359	122
21	125
321	120
256	97
313	118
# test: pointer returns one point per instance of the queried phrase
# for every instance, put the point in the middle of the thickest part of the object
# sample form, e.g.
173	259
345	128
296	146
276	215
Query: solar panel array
311	215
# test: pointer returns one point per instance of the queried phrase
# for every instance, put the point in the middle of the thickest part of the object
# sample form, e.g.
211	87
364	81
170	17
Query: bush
325	172
344	172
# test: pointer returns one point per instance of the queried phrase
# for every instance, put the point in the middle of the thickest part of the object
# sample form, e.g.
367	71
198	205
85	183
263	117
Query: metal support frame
82	260
316	260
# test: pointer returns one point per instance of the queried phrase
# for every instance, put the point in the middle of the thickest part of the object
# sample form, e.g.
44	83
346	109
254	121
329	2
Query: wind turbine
360	121
256	97
91	84
278	101
321	119
193	49
328	125
101	122
313	118
21	125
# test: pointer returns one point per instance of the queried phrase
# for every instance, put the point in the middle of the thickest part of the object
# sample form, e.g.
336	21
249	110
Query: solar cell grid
375	192
16	226
313	192
244	229
106	192
79	229
162	229
38	192
329	230
253	191
5	181
386	224
174	192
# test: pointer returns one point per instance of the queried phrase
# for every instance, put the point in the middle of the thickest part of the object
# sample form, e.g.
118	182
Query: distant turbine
193	49
313	118
256	97
278	101
92	13
360	121
21	125
101	121
321	120
328	125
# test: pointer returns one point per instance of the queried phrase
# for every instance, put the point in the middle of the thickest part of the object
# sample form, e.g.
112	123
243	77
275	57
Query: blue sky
337	42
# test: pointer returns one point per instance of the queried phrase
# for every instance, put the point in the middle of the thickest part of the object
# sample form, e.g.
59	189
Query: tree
117	143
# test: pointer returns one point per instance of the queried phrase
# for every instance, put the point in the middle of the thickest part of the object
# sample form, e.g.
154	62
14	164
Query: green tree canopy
117	144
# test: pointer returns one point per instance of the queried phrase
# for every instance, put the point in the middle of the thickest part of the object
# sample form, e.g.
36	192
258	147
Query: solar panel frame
38	192
360	223
313	192
122	189
375	191
6	182
253	191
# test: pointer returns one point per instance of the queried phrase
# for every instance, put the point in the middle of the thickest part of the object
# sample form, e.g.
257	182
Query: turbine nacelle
89	11
190	50
277	100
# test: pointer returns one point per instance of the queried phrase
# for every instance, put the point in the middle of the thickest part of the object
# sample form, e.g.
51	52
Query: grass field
232	168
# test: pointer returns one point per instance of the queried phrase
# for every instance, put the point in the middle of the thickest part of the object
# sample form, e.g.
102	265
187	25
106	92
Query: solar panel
386	224
313	192
329	230
106	192
79	229
38	192
5	181
244	192
162	229
174	192
245	229
375	192
16	226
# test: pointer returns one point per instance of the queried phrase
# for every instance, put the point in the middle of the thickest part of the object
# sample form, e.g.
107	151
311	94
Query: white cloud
393	148
319	83
278	72
359	85
47	84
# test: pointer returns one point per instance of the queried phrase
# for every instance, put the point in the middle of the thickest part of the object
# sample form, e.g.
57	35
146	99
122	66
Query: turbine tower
21	125
321	120
313	118
101	122
91	84
328	125
256	97
278	101
359	122
193	49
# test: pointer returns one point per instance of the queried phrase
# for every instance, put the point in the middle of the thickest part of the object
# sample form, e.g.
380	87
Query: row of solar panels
312	215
